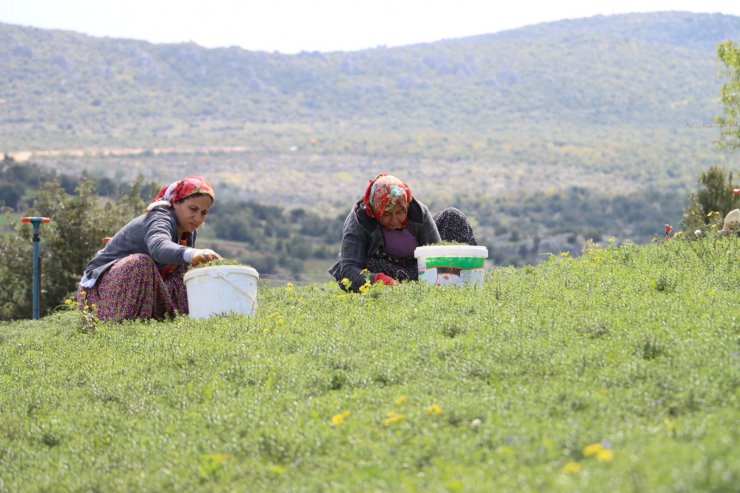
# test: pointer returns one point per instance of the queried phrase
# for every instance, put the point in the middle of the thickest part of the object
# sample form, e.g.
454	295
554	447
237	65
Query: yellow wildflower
393	418
605	455
434	409
365	288
338	419
346	283
289	287
592	449
571	468
565	254
400	400
67	301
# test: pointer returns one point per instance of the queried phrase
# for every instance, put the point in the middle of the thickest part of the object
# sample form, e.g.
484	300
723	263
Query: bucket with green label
451	265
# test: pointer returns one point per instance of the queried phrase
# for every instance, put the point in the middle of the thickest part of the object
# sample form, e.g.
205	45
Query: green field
615	371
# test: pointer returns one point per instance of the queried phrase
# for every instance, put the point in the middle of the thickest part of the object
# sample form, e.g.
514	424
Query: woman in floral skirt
139	273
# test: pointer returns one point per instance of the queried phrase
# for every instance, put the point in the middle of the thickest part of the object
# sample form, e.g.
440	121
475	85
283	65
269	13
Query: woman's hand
385	279
205	255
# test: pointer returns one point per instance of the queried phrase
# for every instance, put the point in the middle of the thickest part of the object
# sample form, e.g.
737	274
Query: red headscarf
180	190
383	193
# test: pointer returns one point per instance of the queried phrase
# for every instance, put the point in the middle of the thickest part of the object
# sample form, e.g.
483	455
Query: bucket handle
253	300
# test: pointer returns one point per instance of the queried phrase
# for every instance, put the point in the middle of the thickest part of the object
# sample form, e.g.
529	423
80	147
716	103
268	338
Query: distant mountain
636	69
626	68
628	97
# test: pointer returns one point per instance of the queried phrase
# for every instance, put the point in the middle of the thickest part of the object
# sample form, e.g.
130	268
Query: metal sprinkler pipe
36	222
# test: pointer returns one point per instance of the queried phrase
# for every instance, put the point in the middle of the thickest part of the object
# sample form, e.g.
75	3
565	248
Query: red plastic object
31	219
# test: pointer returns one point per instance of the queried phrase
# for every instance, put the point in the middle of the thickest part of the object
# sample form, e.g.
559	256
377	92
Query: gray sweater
153	234
362	237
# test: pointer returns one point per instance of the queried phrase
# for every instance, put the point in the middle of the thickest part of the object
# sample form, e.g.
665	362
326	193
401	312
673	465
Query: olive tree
729	54
79	221
714	196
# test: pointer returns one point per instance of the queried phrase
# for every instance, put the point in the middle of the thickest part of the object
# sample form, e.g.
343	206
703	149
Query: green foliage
78	224
16	270
89	321
270	238
714	200
729	54
523	228
21	181
573	375
18	179
215	263
448	243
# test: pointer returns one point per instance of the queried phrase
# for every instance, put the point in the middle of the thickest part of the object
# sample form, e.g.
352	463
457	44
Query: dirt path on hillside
24	156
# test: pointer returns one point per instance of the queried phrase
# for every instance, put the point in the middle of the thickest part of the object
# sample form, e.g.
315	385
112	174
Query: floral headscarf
383	193
180	190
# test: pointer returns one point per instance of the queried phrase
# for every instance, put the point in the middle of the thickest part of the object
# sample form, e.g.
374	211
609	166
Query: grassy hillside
632	70
615	100
615	371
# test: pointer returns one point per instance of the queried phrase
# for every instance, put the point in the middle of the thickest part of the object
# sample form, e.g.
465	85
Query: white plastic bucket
451	265
221	289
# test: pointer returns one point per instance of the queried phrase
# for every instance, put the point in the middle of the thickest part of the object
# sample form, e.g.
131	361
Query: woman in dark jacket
139	273
383	229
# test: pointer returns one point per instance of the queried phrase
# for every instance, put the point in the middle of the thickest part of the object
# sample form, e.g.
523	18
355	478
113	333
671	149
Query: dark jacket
153	234
362	237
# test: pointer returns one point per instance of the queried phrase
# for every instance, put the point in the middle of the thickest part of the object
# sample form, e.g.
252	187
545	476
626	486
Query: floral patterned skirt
452	225
133	289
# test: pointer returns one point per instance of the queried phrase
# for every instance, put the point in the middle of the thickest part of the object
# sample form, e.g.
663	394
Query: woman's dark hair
195	195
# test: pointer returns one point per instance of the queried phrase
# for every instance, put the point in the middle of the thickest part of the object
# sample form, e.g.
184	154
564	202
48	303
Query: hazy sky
290	26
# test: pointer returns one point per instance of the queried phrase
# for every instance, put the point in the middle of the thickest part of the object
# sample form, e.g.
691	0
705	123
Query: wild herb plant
215	263
88	312
615	371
